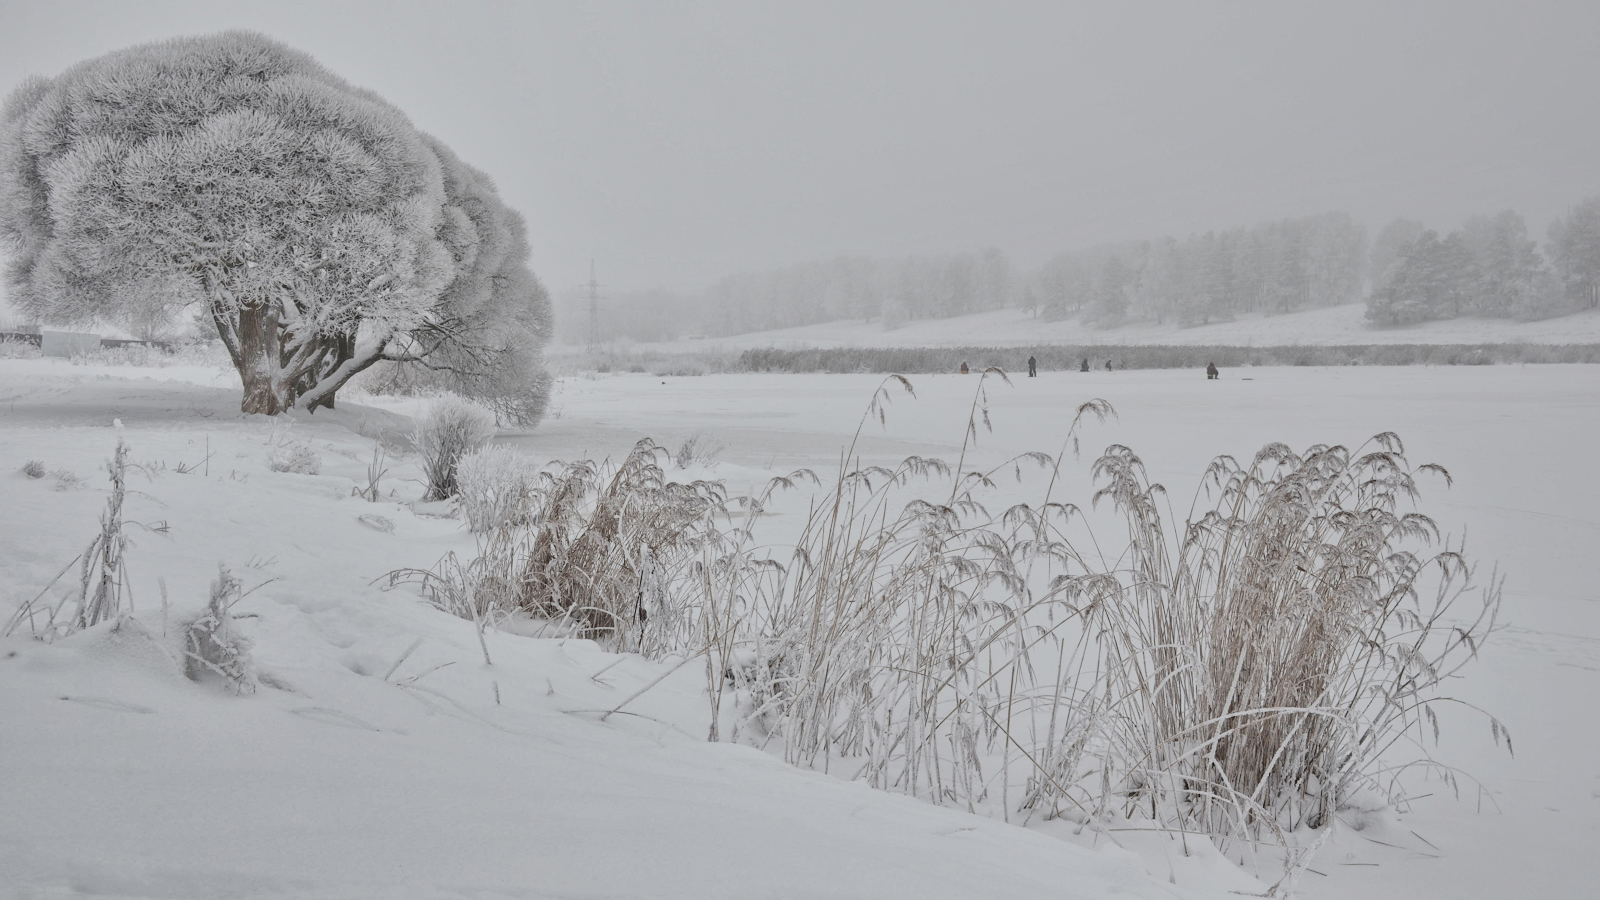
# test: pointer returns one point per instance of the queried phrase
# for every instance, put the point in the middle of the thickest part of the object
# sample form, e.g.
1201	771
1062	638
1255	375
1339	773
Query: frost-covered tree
1505	264
1390	247
1574	247
1432	281
484	338
1336	251
307	216
1488	268
1110	303
1278	266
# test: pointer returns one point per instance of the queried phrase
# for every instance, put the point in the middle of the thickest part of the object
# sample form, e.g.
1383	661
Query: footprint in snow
108	703
333	717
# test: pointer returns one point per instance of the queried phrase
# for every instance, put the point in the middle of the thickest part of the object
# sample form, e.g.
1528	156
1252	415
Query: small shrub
66	480
496	486
597	562
699	449
295	457
593	547
1264	659
34	468
157	356
212	648
11	348
449	429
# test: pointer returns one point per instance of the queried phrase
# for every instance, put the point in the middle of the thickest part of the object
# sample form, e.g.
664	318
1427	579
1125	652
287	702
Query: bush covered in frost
446	432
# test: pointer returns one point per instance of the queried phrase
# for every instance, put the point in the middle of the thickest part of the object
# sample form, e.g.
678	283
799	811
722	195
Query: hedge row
925	360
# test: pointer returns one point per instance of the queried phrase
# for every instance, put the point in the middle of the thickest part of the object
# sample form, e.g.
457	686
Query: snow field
525	796
341	778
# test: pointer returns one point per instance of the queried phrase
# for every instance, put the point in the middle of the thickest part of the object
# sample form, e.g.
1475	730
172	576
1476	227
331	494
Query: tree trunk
346	351
353	360
259	363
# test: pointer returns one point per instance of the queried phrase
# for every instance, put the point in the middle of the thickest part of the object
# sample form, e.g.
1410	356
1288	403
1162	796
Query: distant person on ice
964	369
1085	366
1108	365
1033	367
1211	370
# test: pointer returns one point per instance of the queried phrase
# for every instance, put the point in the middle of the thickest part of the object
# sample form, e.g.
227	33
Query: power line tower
594	308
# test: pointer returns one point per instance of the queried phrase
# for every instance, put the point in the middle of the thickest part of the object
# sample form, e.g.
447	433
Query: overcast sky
678	142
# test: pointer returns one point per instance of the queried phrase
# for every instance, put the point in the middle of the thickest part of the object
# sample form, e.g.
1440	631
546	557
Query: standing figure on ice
1211	370
1033	367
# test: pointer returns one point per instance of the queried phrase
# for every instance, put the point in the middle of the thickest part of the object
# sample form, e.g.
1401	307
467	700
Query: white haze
675	144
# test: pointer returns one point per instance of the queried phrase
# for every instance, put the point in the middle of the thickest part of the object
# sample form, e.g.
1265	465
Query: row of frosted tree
919	287
892	290
1488	267
1277	267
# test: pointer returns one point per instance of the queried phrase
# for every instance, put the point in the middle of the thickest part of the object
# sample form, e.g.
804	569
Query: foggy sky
676	143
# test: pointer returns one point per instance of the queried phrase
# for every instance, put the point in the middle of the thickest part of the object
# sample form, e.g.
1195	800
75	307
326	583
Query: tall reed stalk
1243	674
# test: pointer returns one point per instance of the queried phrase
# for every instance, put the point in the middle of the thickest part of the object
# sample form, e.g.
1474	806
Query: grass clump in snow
585	545
67	480
213	648
446	432
34	468
608	540
699	449
104	576
373	491
1257	668
496	487
294	457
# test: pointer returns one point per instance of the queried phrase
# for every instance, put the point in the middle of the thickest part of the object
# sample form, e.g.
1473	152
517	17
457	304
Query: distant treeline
890	290
1488	267
1278	266
929	360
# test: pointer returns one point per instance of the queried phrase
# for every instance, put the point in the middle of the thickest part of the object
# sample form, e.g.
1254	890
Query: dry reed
1243	675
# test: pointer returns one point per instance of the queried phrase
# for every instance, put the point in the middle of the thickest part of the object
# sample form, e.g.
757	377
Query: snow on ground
119	778
1015	328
